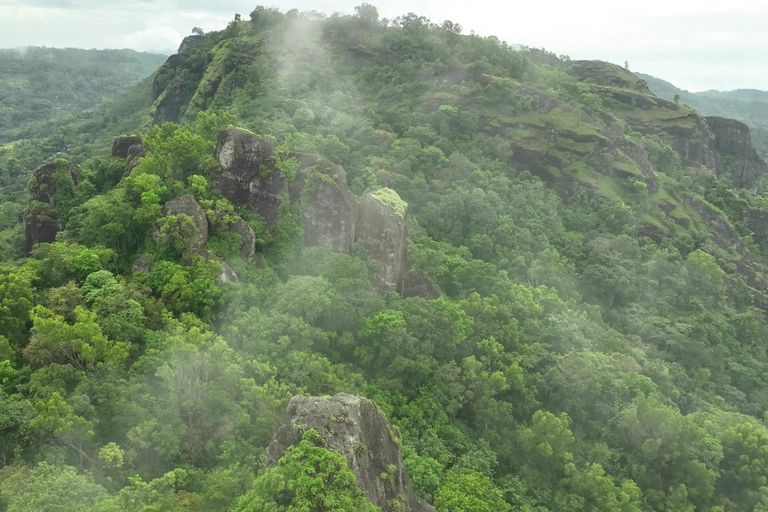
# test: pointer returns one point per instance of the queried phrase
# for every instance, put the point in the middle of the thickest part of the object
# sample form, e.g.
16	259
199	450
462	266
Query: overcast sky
695	44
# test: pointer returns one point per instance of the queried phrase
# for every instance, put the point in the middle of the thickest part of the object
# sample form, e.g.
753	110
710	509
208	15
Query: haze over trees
566	310
38	84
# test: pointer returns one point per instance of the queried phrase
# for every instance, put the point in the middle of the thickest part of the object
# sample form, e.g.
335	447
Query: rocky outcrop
172	87
605	73
357	429
247	174
382	234
248	249
727	239
458	75
226	274
122	145
741	163
143	263
188	43
688	132
187	204
417	284
40	226
41	221
329	207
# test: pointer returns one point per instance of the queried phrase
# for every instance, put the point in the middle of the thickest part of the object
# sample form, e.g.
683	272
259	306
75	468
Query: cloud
702	43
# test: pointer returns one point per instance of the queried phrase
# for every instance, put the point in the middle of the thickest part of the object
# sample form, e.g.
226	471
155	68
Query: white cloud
702	43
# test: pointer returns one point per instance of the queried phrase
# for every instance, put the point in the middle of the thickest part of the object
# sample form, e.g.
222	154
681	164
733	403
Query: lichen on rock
382	234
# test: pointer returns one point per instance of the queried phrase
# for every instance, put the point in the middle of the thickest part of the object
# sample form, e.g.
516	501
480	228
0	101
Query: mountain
527	283
747	105
38	84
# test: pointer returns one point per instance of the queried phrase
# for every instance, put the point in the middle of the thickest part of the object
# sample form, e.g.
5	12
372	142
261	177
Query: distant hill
747	105
38	84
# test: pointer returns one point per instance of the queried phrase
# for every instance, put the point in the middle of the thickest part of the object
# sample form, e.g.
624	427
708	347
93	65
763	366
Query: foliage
596	345
308	477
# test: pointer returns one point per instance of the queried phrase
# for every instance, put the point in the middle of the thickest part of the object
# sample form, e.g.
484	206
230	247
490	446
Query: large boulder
122	145
45	180
329	207
188	205
382	234
40	226
357	429
417	284
42	222
226	274
741	163
248	249
247	174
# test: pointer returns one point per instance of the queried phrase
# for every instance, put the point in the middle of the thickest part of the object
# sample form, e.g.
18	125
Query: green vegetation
596	345
748	106
390	198
38	84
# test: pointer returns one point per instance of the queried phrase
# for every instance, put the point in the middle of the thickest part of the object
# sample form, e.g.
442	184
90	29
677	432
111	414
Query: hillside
346	263
39	84
747	105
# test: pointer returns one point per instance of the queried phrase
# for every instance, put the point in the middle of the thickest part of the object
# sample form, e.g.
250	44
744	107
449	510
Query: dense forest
550	281
39	84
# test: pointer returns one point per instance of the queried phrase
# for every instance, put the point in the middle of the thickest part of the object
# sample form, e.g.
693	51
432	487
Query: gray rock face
135	152
247	175
40	227
741	162
417	284
142	264
43	182
248	249
188	43
41	224
330	208
226	275
357	429
726	237
382	233
187	205
122	144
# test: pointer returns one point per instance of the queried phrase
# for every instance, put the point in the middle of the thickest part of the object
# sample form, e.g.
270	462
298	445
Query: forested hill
747	105
38	84
528	282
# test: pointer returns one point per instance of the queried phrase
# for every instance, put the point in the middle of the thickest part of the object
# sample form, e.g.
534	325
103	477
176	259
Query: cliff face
330	209
383	236
740	162
249	175
357	429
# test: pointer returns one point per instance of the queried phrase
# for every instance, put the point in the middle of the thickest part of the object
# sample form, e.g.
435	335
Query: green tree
308	477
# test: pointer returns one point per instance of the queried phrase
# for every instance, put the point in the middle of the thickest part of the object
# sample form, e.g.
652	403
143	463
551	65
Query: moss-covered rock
417	284
740	162
187	205
382	234
122	145
247	175
357	429
53	188
329	208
